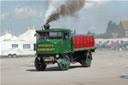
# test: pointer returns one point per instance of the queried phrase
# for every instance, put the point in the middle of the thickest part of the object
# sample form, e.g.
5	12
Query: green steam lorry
59	46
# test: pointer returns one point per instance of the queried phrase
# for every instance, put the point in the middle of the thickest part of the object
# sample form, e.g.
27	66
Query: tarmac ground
108	68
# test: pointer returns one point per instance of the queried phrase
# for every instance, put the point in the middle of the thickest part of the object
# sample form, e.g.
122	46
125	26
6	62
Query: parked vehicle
59	46
16	48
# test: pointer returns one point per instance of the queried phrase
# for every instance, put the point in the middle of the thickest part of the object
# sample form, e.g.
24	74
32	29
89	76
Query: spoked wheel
64	62
40	64
86	62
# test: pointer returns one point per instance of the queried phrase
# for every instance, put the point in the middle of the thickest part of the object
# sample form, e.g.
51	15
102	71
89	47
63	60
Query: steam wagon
59	46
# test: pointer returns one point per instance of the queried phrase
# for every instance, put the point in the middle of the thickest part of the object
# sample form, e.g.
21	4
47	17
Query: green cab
54	41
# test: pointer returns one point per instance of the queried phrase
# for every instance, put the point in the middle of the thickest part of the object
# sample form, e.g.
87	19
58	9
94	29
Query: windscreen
49	35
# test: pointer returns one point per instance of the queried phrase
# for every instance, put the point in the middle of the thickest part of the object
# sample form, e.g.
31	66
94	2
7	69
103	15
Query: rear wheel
14	55
64	62
40	64
86	62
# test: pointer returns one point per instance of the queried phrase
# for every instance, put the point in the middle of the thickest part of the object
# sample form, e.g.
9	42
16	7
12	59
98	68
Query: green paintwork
57	47
89	60
82	49
55	30
60	46
65	62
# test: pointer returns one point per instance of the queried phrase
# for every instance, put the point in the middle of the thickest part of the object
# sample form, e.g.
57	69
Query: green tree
111	28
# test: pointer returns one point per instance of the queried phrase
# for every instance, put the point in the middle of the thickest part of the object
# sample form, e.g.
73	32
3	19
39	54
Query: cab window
49	35
55	35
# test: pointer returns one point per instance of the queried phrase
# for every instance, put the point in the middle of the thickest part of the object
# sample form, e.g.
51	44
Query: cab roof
54	30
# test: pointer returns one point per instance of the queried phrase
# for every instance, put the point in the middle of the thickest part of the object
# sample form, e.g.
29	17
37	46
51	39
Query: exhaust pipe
46	26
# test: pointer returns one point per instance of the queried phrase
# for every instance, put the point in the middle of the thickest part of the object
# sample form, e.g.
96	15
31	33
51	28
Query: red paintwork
83	41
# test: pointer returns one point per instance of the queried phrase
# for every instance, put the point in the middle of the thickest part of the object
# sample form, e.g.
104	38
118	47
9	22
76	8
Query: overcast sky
16	16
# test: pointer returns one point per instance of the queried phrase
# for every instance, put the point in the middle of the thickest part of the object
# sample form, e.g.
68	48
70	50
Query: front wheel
9	55
86	62
40	64
64	62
